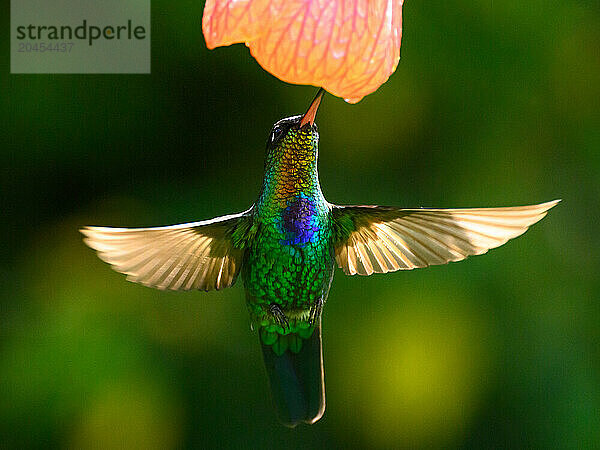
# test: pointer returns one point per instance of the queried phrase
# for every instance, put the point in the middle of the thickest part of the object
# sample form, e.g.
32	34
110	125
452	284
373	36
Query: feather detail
198	255
379	239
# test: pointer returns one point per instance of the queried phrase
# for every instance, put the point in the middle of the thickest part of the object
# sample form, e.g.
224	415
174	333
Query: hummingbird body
286	247
290	259
288	271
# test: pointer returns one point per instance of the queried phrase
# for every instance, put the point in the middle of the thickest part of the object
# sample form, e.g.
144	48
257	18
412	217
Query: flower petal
227	22
349	47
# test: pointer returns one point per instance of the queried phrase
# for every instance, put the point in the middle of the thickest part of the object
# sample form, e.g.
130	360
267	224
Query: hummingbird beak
309	116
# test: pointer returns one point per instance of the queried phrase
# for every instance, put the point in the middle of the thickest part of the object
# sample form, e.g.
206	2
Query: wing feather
198	255
375	239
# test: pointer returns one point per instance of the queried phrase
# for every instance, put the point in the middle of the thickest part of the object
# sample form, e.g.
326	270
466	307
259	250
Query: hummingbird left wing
203	255
380	239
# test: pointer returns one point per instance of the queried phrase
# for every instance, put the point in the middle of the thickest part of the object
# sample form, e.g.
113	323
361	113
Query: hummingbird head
296	134
291	159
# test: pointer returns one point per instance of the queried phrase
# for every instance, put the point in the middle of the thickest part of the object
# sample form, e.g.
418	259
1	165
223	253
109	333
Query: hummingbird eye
277	134
281	129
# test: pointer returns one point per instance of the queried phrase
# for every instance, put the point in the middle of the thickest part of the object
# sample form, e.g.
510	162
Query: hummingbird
286	247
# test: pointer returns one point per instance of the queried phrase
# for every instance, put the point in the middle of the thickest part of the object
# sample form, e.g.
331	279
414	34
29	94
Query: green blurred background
494	103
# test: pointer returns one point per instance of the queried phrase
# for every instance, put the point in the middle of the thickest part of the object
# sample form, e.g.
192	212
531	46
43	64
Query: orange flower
349	47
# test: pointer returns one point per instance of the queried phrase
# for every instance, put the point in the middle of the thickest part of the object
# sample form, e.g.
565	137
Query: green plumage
290	260
288	270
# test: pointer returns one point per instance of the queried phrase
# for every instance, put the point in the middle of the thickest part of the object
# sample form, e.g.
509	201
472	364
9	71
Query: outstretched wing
203	255
379	239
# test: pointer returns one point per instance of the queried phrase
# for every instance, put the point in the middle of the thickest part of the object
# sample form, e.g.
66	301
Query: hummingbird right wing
202	255
380	239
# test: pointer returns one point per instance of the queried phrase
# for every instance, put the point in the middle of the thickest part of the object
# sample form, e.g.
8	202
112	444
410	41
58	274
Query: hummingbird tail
297	381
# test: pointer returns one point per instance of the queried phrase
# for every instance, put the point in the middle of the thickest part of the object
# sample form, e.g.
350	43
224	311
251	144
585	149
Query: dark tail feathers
297	381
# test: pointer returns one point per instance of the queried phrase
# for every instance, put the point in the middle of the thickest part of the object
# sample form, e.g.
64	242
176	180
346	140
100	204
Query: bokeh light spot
421	374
